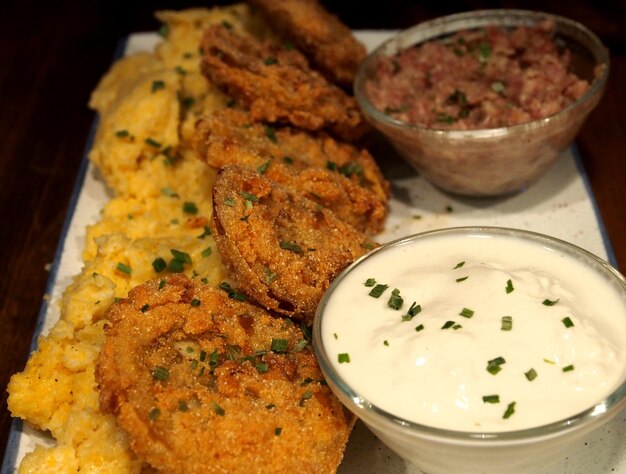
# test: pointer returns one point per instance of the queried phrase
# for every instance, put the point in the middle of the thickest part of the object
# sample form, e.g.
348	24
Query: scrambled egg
148	104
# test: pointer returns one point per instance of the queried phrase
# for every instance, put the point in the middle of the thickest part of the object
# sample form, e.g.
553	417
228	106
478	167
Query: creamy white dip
564	351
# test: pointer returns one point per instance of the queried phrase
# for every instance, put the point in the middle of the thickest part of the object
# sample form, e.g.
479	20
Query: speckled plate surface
559	204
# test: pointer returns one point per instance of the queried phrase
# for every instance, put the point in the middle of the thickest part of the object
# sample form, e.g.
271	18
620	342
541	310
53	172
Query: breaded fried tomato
280	248
277	85
205	383
339	176
326	41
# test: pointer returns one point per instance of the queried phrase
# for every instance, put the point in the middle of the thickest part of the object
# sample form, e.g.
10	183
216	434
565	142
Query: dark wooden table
52	55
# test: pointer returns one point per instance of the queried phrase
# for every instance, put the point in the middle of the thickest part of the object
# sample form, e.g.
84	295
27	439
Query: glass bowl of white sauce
477	349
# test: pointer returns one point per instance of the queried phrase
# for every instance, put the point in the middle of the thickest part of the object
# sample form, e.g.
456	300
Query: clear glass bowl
444	451
496	161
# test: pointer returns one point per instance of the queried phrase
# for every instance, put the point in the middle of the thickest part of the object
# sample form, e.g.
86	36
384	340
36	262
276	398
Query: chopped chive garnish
497	86
248	196
123	268
568	368
305	396
160	373
195	302
549	361
531	375
279	345
278	430
122	133
169	192
180	70
207	252
291	246
507	323
445	118
232	294
182	405
164	30
271	134
182	256
270	276
300	345
548	302
459	265
378	290
153	143
159	264
176	266
263	168
262	368
144	308
190	207
484	51
154	414
448	324
493	366
509	286
386	342
567	322
395	300
226	24
156	85
370	282
331	165
491	398
459	280
419	327
270	61
466	313
510	409
413	311
162	284
229	201
218	409
205	233
343	358
288	160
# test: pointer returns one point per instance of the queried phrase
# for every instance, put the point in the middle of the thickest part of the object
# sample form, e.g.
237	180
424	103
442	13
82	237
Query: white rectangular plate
559	204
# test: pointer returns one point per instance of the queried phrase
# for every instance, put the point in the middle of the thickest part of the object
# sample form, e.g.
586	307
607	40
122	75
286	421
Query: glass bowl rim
577	420
596	86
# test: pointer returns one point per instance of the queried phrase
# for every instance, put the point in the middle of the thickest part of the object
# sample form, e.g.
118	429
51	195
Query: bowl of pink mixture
483	103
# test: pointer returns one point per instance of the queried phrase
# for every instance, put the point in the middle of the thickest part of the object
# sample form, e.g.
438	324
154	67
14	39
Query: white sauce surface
437	376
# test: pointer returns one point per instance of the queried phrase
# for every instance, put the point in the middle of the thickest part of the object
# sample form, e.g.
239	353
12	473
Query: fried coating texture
277	85
203	383
338	176
327	42
280	248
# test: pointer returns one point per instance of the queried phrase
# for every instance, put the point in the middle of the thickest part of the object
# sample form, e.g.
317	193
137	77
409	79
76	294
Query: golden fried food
337	176
277	85
202	382
280	248
326	41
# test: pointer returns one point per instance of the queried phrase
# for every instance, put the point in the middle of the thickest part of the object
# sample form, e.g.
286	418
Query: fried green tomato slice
202	382
277	85
339	176
281	249
325	40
